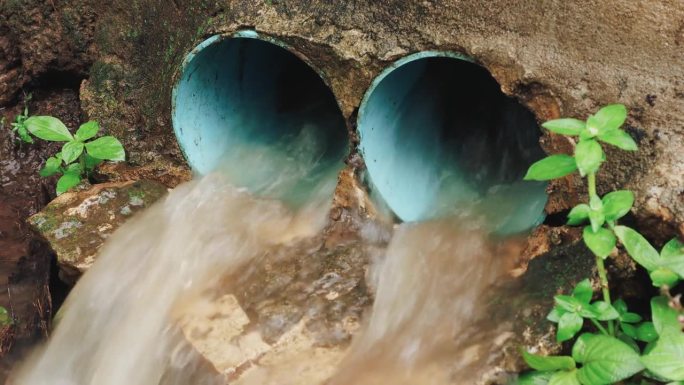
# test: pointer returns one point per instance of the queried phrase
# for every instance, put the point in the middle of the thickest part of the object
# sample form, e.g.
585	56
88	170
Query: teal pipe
248	106
439	138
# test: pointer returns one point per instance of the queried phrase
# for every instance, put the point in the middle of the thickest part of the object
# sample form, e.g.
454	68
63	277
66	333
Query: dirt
25	260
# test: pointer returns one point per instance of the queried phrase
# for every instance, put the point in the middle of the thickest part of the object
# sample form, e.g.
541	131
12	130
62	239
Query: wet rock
77	223
156	168
220	332
556	271
288	309
24	281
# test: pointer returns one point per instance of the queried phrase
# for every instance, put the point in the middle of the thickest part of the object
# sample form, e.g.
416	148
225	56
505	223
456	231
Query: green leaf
23	133
568	325
619	139
534	378
569	303
91	162
583	291
605	359
566	126
638	247
6	318
548	363
664	317
578	214
551	167
646	332
608	118
620	306
48	128
617	203
51	167
630	318
588	156
625	315
601	242
67	181
106	147
629	341
673	248
71	151
74	168
629	330
555	314
596	219
605	311
664	277
667	357
87	130
672	256
565	378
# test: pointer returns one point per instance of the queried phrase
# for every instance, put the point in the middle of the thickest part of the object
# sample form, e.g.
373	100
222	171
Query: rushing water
122	322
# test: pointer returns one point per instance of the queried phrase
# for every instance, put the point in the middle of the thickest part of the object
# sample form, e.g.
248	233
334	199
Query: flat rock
77	223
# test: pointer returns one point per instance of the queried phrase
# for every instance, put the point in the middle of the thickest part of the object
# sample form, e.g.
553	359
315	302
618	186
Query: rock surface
558	58
288	309
77	223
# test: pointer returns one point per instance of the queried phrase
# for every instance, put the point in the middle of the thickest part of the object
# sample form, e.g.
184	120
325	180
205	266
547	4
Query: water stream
123	322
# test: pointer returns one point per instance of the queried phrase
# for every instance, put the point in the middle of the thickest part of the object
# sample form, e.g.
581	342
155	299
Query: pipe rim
240	34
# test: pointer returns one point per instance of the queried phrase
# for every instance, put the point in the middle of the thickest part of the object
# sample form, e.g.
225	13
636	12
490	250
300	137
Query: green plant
19	126
5	318
79	154
623	345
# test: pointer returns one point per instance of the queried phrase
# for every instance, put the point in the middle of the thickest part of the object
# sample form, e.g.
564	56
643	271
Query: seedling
79	154
19	126
5	318
622	345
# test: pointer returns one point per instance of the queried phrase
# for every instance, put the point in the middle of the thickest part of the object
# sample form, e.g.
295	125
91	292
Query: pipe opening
257	112
439	137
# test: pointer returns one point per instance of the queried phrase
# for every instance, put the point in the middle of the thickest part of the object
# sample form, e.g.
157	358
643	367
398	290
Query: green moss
103	74
70	22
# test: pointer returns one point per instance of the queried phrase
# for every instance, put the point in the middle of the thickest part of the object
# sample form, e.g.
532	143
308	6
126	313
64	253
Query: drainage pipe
438	136
249	106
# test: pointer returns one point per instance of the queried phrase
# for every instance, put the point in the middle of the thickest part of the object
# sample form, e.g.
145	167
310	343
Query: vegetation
79	154
616	346
5	318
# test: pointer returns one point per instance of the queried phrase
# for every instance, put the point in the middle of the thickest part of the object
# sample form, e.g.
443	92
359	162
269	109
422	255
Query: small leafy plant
18	126
80	152
622	345
5	318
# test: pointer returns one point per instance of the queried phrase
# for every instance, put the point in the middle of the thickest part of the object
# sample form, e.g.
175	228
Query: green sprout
79	155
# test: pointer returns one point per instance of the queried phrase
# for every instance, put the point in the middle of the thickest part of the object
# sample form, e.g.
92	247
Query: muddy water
121	323
116	327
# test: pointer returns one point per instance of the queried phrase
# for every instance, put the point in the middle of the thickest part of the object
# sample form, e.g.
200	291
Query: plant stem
601	267
603	276
599	327
591	178
81	160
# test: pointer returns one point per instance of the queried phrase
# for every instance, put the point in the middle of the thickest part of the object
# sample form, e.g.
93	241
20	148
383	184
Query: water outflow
431	292
118	324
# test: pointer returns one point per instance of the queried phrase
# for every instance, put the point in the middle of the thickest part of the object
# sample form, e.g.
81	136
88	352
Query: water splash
117	325
123	322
